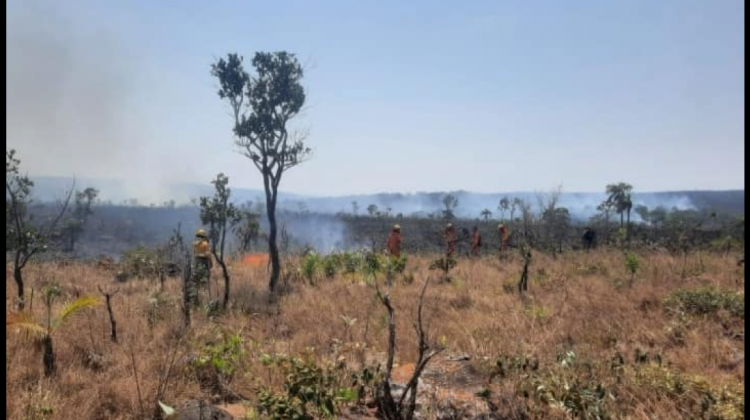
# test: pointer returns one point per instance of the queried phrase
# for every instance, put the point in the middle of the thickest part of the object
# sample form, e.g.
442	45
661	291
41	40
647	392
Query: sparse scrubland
596	336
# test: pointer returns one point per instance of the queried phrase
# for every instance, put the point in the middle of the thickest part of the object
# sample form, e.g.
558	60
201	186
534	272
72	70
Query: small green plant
444	264
579	398
311	392
352	262
397	264
41	333
310	266
331	264
218	362
632	264
223	355
373	264
364	382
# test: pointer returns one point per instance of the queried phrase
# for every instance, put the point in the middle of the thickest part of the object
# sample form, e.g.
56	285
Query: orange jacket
476	241
450	239
394	244
504	233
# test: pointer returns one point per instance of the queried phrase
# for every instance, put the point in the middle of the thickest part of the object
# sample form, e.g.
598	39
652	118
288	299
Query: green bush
706	301
396	264
352	262
310	265
373	264
223	356
217	364
331	264
311	392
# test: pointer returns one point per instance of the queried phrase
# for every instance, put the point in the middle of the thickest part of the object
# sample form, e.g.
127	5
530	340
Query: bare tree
81	211
449	205
404	408
263	105
219	214
24	239
247	231
503	206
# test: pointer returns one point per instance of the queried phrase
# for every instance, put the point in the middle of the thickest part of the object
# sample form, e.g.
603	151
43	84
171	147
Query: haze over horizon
401	97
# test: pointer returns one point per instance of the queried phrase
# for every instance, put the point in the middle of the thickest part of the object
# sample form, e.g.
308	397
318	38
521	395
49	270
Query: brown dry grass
577	301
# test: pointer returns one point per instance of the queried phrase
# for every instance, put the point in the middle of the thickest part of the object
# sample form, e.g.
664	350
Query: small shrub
365	382
224	355
444	264
397	264
352	262
310	265
311	392
218	362
373	264
563	387
703	400
632	264
706	301
331	264
140	262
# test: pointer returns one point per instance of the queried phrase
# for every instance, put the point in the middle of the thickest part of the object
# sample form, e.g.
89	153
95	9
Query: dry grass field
588	340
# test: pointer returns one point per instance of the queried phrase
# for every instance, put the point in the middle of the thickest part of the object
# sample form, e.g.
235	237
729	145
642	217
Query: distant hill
581	204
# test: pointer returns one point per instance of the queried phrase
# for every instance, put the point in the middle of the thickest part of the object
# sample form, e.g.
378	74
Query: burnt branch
113	323
403	409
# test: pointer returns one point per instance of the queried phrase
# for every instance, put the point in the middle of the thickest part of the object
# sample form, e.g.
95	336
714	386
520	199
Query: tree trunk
113	323
186	291
621	221
225	273
523	283
627	227
273	250
49	356
18	277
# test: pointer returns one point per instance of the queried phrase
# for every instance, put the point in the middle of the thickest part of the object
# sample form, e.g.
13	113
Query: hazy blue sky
402	95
